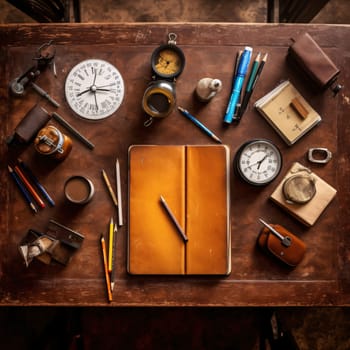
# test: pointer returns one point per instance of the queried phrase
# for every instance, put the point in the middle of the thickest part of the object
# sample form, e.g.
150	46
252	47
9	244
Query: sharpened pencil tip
33	207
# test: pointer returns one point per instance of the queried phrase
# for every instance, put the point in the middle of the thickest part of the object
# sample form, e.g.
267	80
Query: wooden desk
323	278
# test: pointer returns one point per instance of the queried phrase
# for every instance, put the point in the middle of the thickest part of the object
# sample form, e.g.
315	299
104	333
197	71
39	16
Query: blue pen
238	83
199	124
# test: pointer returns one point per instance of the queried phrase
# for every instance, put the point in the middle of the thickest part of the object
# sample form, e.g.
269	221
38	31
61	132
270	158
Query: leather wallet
291	254
29	126
313	61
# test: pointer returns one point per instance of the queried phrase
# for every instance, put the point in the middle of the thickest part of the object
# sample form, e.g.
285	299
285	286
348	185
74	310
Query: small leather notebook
194	181
286	110
313	61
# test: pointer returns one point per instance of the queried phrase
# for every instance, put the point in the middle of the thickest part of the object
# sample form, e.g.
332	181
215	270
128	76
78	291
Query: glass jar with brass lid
52	142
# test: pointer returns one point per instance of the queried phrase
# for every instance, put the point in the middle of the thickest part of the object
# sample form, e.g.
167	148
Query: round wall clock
258	162
94	89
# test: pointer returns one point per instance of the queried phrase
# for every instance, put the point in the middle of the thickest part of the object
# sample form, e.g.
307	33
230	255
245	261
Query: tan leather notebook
286	110
194	181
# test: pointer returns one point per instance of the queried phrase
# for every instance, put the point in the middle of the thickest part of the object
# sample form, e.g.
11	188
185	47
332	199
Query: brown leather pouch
290	255
29	126
313	61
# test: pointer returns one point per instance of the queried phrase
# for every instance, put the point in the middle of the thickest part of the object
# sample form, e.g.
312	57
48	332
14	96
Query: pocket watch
299	188
168	60
258	162
94	89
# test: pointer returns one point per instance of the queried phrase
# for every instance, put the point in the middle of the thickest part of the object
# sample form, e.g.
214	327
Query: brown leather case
312	60
271	244
31	123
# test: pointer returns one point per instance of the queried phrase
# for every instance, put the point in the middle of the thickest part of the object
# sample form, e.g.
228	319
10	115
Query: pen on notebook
110	245
238	83
109	187
36	182
249	87
199	124
114	253
173	219
105	267
29	187
23	190
119	193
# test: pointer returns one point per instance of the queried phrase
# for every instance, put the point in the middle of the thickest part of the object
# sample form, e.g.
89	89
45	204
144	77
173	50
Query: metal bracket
325	155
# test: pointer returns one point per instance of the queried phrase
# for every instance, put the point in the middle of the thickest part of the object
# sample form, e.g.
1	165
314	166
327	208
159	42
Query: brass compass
168	60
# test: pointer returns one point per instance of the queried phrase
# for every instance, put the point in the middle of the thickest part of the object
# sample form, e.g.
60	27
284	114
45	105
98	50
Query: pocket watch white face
258	162
94	89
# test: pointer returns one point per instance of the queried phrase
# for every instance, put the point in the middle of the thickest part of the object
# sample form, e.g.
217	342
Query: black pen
199	124
250	87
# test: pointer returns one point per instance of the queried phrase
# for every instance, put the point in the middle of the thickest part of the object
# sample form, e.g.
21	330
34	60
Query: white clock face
258	162
94	89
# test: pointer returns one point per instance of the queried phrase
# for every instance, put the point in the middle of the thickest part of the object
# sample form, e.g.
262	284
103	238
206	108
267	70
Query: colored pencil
104	256
249	87
22	189
109	187
119	193
36	182
29	187
110	245
258	73
114	255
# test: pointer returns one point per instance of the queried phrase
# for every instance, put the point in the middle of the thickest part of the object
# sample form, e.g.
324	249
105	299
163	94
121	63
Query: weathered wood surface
323	278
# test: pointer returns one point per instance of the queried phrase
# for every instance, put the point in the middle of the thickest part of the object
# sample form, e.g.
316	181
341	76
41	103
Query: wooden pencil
109	187
104	255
